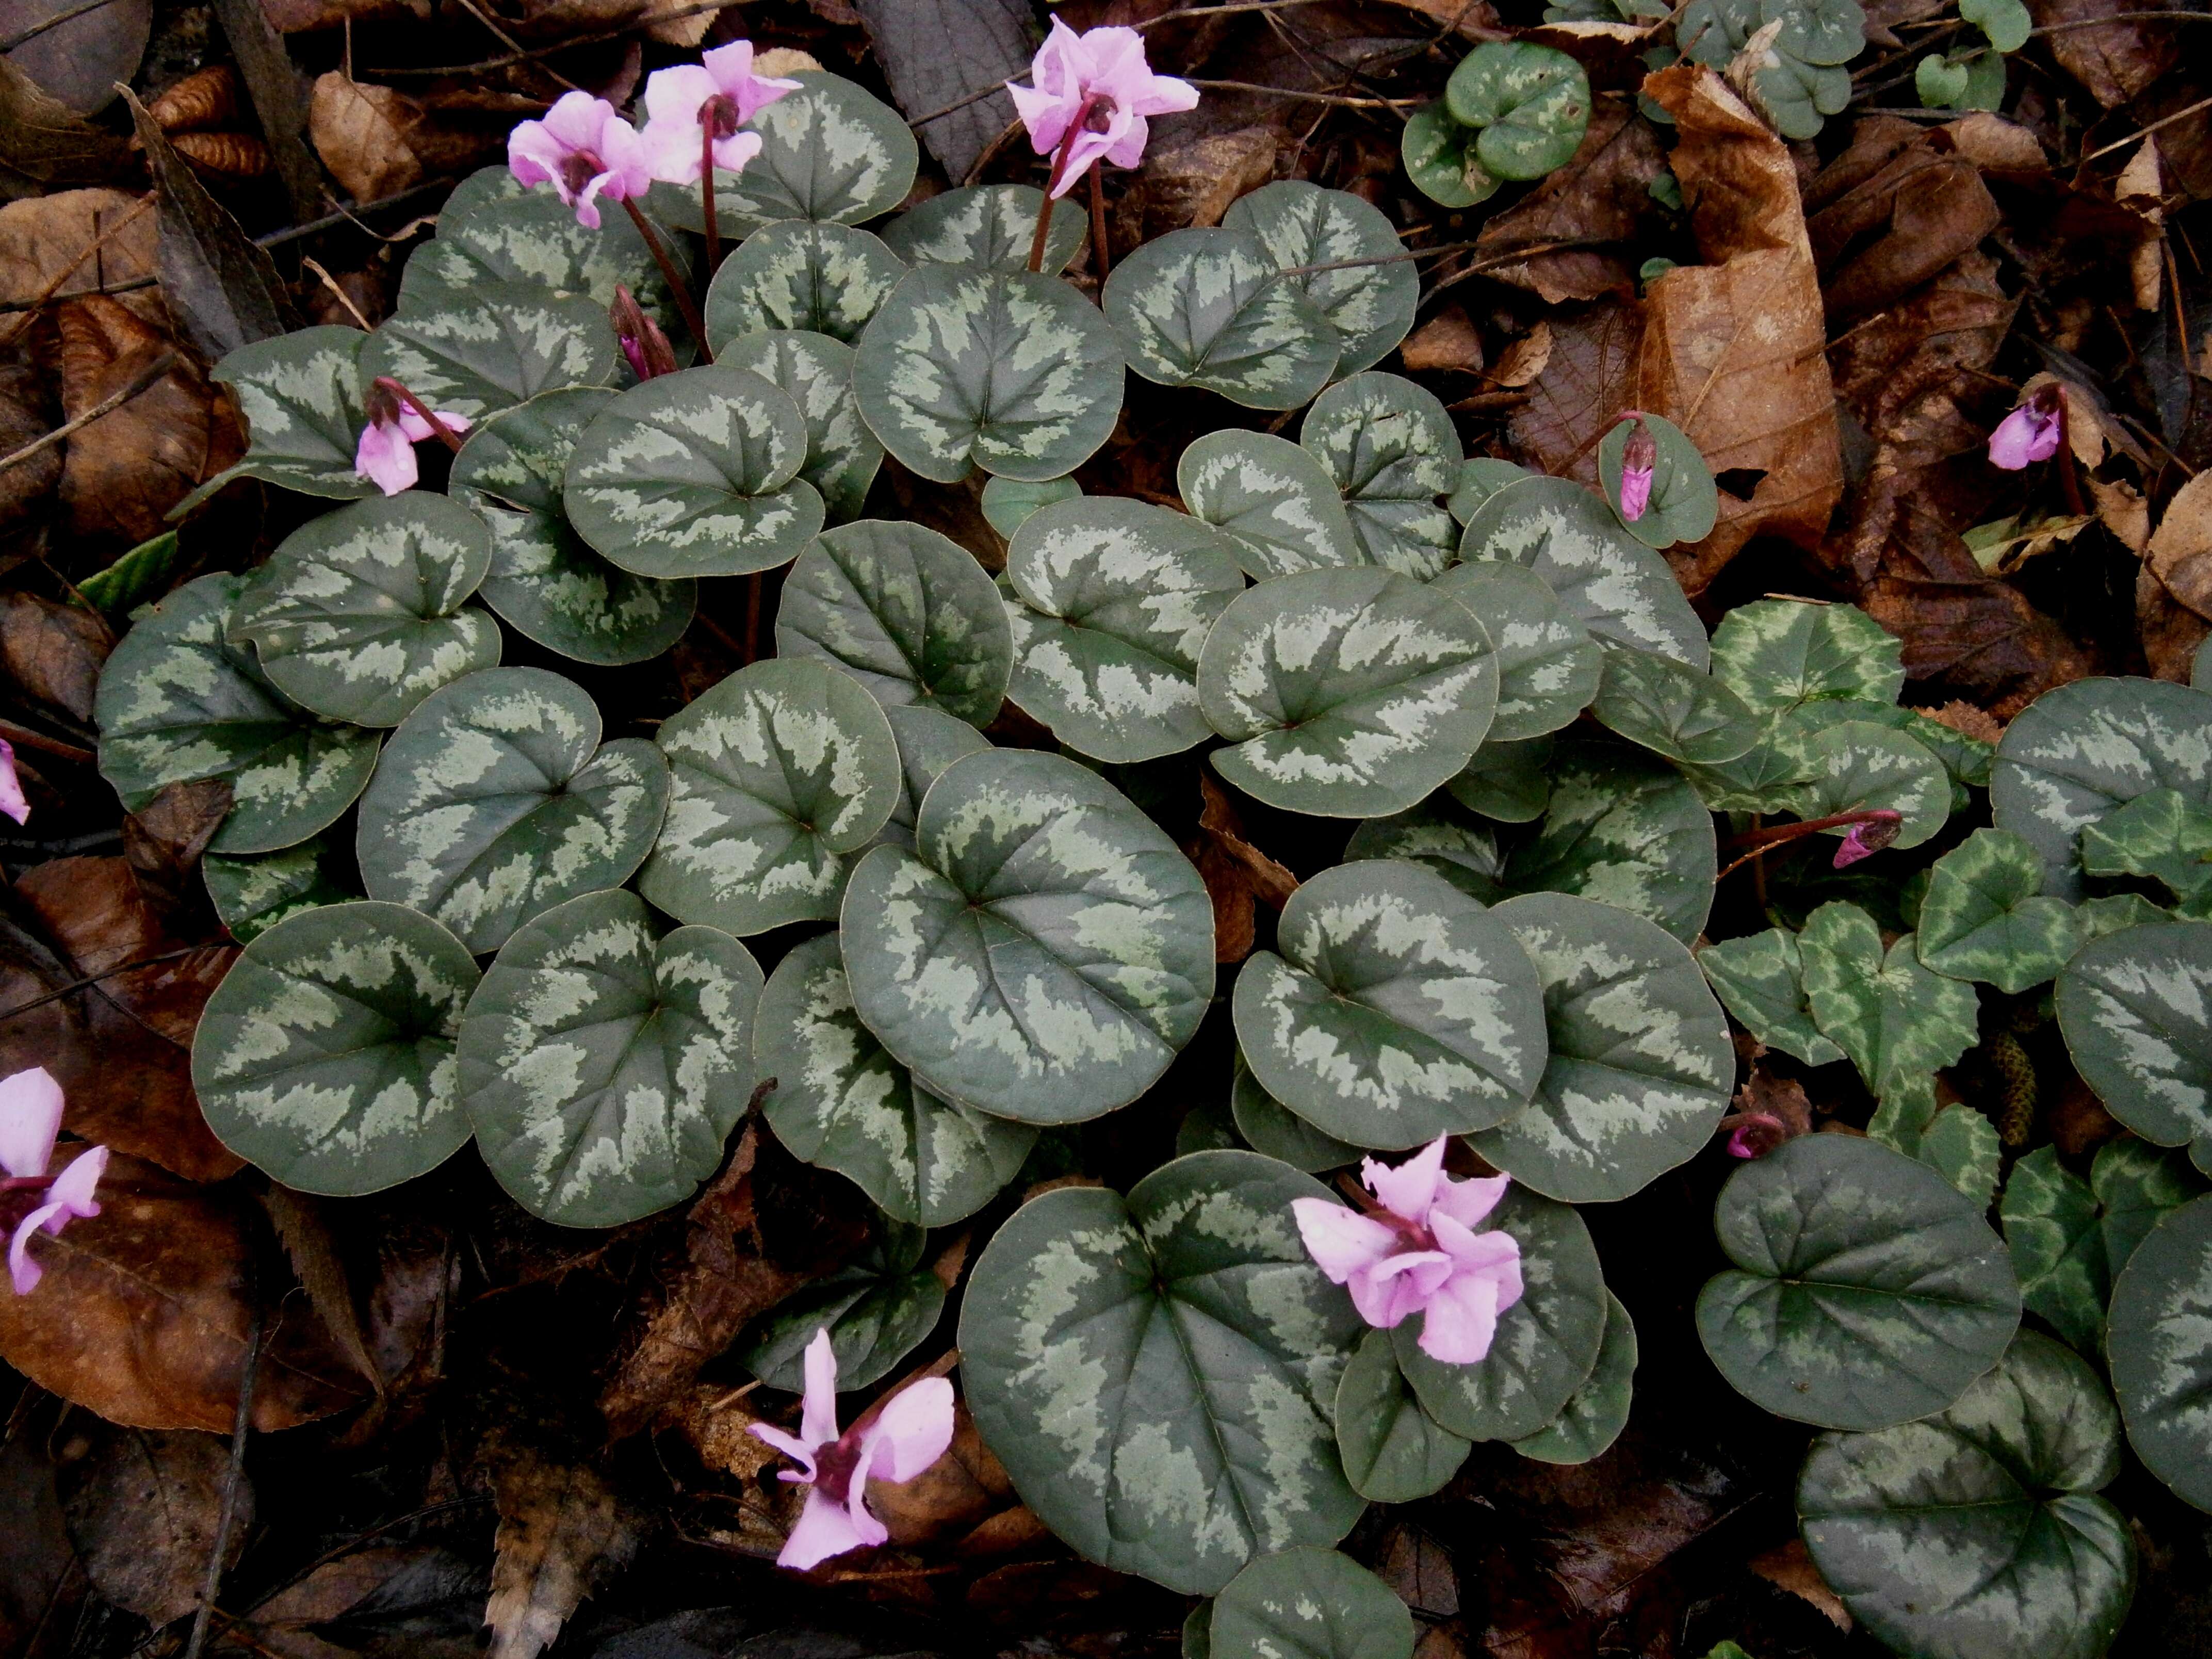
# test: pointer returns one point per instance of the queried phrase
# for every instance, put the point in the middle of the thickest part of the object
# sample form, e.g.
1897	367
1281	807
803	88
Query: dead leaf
79	60
2113	61
2170	631
203	101
1733	349
53	653
142	1316
1228	885
305	1232
163	842
44	144
1271	881
25	417
1966	717
1790	1567
1525	359
1194	183
1588	375
953	1497
71	241
1474	19
39	1578
1604	193
2179	553
1447	343
95	910
361	132
1767	1111
143	1506
1879	233
1416	1565
562	1532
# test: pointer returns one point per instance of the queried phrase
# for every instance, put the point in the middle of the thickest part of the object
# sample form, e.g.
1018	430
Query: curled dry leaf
2169	630
2113	61
2179	553
1194	184
143	1507
1586	376
203	101
52	653
1890	212
44	144
75	240
361	132
562	1532
964	1489
1603	194
1447	342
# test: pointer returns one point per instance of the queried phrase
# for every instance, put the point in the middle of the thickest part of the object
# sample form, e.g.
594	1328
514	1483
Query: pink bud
13	801
1639	456
2032	431
1864	839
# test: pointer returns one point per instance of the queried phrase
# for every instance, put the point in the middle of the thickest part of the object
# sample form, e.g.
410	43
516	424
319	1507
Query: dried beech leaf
361	132
562	1531
143	1506
52	652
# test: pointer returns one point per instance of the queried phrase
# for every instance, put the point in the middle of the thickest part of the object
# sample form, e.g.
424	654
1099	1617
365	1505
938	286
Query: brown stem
438	429
707	196
1052	184
1757	842
1099	261
686	305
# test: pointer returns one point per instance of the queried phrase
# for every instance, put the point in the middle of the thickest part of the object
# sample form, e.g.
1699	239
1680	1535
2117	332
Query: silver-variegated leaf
1008	503
1042	953
1443	837
1394	454
1506	781
928	742
1269	1127
1849	764
816	373
1548	663
830	151
1115	600
1983	918
1899	1024
497	345
2137	1009
1761	979
325	1057
1623	829
1370	305
252	894
1394	1452
781	772
604	1063
2161	1346
986	225
1778	654
1399	1009
1672	708
494	801
877	1308
1595	1415
795	274
1273	499
1310	1603
1209	307
300	395
1346	693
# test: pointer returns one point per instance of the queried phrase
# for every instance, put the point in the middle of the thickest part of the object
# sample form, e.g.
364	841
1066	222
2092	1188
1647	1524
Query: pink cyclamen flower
640	339
1096	87
385	455
2030	433
897	1441
720	91
1754	1134
1866	839
584	151
30	1118
1639	456
1415	1250
13	801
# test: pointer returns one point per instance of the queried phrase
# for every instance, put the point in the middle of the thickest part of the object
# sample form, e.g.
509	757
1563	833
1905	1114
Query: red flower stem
688	306
1758	842
24	1183
707	195
438	429
1099	262
1059	172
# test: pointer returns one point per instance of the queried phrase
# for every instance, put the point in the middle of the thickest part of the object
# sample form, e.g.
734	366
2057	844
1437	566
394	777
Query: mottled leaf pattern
1440	159
1853	764
1761	978
1672	708
1621	829
1269	1127
253	895
1777	653
816	373
1371	307
1394	1452
1594	1417
1007	503
830	151
986	225
2137	1010
824	278
2161	835
1275	500
1481	477
1983	918
1394	454
875	1310
1506	780
495	346
1308	1603
1531	104
1683	502
1899	1024
301	396
2161	1346
928	742
1441	837
1961	1145
1209	307
1548	663
2050	1226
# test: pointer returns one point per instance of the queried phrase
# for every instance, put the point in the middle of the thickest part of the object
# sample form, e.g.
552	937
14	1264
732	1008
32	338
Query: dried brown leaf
1604	193
1194	183
1447	343
224	155
79	60
52	653
71	240
2179	553
44	144
39	1573
96	910
1525	359
2169	630
1790	1567
562	1531
203	101
1589	375
2113	61
305	1232
1876	238
360	131
953	1496
143	1507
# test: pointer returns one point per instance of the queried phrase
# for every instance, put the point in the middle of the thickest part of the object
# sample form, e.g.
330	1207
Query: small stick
677	286
241	1425
28	739
107	405
75	986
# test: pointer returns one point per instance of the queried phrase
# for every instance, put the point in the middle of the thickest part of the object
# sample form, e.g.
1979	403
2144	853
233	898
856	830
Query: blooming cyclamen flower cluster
31	1200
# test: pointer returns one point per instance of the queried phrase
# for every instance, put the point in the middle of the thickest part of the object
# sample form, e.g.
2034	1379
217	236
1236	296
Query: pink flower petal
386	457
1469	1201
818	1417
1634	492
789	1444
533	155
1340	1241
577	119
825	1529
675	94
911	1433
72	1189
1494	1255
1410	1188
1460	1320
30	1117
1045	115
1385	1293
23	1272
735	153
13	801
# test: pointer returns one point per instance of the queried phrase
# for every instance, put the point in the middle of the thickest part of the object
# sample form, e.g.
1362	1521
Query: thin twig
75	986
241	1425
2163	121
339	293
1340	99
107	405
958	104
23	36
509	41
2125	17
98	242
644	19
39	740
1223	11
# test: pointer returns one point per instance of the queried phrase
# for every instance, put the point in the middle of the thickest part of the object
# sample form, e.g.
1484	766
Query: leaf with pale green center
1683	502
1371	306
1481	477
1531	103
2086	749
1399	1009
842	1102
928	742
823	278
816	373
1854	764
1007	370
1269	1127
1547	1343
325	1057
1346	693
695	474
1965	760
603	1061
1041	953
1983	918
1672	708
1548	663
1310	1603
1209	307
779	773
1899	1024
494	801
1394	1452
2160	836
1769	777
1866	1291
2160	1342
1158	1374
1442	159
1007	503
1443	838
1393	453
904	611
1777	653
1979	1531
1798	92
358	615
2101	916
1505	780
1760	978
253	895
1592	1420
300	395
1625	829
177	702
876	1308
2136	1183
2137	1010
1961	1145
830	151
1640	1066
1115	600
1273	499
1623	591
545	580
986	225
497	345
2050	1221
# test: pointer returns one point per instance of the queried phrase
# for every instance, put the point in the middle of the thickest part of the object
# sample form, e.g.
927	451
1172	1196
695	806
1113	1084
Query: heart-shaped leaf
1370	306
1007	370
1683	504
928	742
1672	708
1777	653
497	345
1899	1024
1547	1343
1443	838
779	772
986	225
325	1057
695	474
1548	663
1481	477
876	1309
1532	104
1270	1128
2069	1236
1622	590
1393	453
1043	951
824	278
1506	780
1210	307
1346	693
1623	829
2080	751
1443	159
494	802
1866	1291
253	895
841	1102
1008	503
830	151
1640	1066
1394	1452
1978	1531
1310	1603
2137	1010
1158	1374
1594	1417
1982	918
1832	31
1399	1010
1852	764
2161	836
1115	600
1761	978
545	581
2137	1184
2160	1345
1274	500
177	702
1796	91
1961	1145
904	611
816	373
358	615
300	395
603	1065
